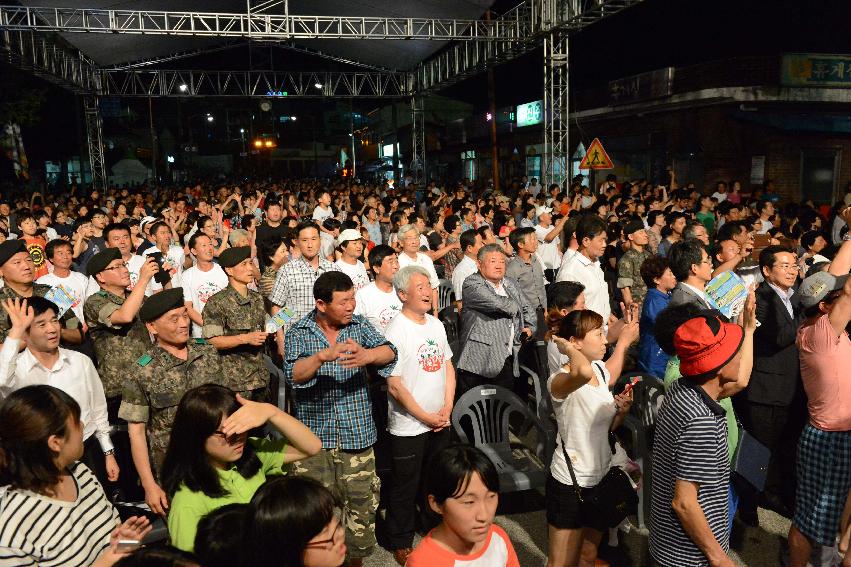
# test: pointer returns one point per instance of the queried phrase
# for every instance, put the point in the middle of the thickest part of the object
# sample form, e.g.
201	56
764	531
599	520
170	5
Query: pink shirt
497	552
825	360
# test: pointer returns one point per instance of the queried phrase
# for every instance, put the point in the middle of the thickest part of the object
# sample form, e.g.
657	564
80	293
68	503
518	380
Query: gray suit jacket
682	294
486	320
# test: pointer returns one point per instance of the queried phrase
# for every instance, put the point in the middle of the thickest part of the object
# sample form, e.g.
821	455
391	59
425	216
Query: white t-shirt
377	306
76	284
555	359
326	245
548	251
584	419
466	267
199	286
424	261
423	355
175	258
356	271
320	214
720	196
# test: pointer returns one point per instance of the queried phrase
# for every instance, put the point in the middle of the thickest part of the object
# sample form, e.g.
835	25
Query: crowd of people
144	331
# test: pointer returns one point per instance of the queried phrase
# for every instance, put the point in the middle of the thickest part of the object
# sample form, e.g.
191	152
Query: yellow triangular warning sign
596	157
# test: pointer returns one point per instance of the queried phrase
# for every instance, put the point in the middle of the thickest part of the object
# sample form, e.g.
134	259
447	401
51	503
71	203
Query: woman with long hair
211	461
52	509
295	522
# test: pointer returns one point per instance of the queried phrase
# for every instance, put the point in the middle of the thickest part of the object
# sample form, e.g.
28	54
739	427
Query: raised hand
20	314
249	416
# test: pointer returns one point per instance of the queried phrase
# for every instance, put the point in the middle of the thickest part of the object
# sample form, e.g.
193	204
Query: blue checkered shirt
335	403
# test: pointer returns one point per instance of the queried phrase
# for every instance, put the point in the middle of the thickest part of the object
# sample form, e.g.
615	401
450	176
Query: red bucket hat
705	344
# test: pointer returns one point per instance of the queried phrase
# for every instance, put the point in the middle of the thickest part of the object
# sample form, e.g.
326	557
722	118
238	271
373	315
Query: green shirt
189	506
672	372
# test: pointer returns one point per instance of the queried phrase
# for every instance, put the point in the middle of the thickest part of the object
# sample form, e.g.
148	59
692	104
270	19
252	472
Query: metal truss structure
94	135
419	165
555	159
262	25
259	84
479	44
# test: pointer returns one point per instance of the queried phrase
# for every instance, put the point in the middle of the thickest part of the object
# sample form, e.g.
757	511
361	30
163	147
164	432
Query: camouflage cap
233	256
11	247
101	260
161	303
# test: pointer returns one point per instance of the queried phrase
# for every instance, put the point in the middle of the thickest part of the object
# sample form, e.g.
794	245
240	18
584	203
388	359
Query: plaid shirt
335	403
294	285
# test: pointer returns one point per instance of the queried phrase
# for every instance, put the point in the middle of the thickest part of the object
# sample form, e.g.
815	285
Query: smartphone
162	277
127	545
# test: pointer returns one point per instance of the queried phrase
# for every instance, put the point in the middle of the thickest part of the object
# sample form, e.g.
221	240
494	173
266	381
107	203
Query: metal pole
153	139
492	110
396	146
352	135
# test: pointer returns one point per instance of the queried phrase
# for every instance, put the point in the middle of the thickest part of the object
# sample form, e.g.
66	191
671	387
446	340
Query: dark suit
682	294
488	347
773	408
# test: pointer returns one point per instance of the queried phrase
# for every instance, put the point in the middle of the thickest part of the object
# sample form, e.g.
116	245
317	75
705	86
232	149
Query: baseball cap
348	234
543	211
816	287
633	227
705	344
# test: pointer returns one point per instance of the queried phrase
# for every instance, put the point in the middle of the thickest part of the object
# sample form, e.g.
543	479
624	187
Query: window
576	160
818	174
468	161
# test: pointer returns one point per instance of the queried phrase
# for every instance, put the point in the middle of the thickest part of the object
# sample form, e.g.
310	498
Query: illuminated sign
530	113
276	93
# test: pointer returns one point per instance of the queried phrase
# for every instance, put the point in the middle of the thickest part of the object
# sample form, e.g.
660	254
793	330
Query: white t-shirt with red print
423	355
199	286
379	307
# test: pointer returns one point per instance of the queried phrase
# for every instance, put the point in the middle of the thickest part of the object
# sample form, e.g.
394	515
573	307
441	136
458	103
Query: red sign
596	157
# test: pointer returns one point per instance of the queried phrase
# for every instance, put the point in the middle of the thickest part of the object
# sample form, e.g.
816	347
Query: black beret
633	226
161	303
101	260
233	256
11	247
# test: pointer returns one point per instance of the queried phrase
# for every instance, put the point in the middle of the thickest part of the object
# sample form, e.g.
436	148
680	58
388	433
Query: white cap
543	211
349	234
147	220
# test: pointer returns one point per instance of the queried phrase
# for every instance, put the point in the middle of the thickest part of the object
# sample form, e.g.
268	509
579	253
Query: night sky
648	36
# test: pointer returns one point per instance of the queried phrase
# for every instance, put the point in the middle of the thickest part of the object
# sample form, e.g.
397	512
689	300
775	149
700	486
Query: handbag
750	461
614	497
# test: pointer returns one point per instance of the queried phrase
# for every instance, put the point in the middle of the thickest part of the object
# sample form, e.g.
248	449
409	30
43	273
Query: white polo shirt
578	268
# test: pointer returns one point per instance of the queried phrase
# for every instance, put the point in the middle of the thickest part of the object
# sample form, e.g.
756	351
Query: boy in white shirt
420	390
201	281
350	246
378	301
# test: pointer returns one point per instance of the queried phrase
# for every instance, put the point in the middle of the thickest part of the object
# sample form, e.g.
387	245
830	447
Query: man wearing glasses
111	314
692	267
772	407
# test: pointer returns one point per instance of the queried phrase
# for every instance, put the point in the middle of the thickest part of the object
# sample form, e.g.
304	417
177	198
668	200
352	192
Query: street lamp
183	88
293	118
317	85
210	118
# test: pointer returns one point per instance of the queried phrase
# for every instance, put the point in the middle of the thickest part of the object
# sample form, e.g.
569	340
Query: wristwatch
108	453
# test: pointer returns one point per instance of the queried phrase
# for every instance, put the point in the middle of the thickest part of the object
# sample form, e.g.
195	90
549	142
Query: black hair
450	223
768	256
378	254
589	226
28	418
152	229
563	295
683	255
159	556
482	230
194	238
41	305
809	238
673	217
112	227
468	239
329	282
304	226
22	215
286	513
220	536
729	230
271	203
519	235
652	268
450	470
331	224
761	205
199	415
51	247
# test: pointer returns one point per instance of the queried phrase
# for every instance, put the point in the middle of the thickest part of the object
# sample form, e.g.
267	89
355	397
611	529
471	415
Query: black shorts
566	512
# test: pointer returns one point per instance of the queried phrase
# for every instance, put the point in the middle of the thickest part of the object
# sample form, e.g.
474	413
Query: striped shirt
39	530
335	403
690	444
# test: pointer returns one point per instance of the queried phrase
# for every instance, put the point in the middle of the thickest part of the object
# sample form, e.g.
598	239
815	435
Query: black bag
750	461
613	499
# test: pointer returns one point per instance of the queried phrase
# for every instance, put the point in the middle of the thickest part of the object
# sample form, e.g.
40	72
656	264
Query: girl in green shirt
211	461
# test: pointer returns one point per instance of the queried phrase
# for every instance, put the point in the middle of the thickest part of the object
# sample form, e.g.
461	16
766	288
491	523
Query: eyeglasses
118	267
230	439
787	267
341	521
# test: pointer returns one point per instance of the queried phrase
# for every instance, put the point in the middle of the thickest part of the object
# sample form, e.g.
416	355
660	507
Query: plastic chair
485	412
445	294
451	322
648	395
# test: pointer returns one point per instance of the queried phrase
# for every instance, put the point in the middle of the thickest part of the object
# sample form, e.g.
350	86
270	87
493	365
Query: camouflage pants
350	476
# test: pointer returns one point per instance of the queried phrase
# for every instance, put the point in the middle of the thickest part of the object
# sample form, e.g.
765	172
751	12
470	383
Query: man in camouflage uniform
329	381
158	380
18	273
630	281
119	337
235	323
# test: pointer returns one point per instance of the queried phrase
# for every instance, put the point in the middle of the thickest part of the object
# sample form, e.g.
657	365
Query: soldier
630	281
118	335
235	323
18	273
158	380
